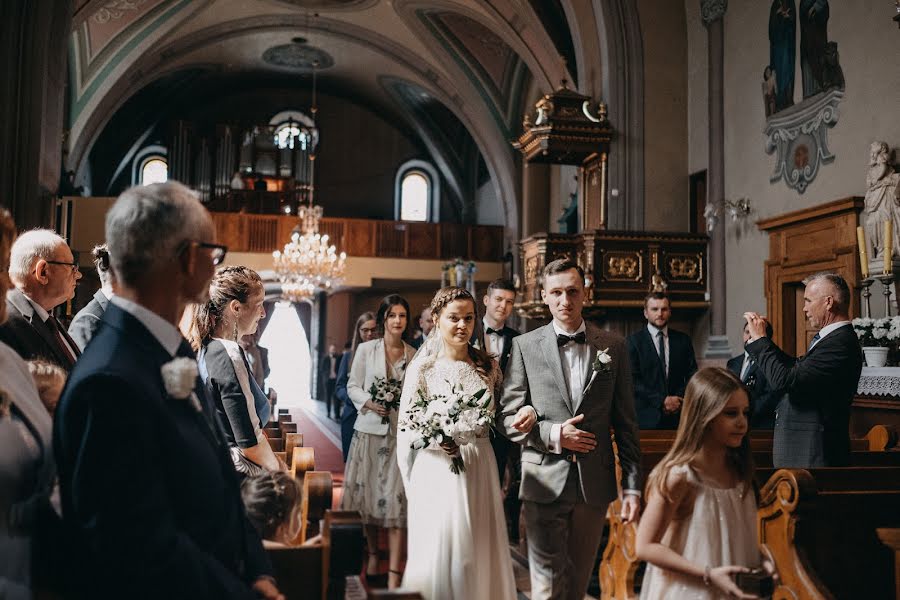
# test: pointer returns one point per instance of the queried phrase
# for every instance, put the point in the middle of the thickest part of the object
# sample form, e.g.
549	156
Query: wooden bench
318	572
823	541
891	539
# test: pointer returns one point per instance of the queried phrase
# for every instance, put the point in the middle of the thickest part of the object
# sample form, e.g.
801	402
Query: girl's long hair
386	303
706	395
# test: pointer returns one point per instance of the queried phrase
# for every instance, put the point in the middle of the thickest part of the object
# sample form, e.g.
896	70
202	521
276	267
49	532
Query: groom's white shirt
574	358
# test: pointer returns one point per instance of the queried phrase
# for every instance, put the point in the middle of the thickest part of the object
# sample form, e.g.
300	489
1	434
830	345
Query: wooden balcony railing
365	237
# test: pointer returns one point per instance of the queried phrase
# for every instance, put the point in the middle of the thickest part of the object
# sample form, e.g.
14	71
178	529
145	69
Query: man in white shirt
576	379
45	274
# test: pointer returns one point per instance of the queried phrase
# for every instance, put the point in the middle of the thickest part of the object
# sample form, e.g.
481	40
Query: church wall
488	209
663	29
867	40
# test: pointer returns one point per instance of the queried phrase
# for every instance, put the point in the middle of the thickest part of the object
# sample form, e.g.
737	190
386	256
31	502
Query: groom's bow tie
578	338
489	331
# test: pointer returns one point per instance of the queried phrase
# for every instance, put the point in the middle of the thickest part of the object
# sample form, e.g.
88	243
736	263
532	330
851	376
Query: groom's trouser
563	538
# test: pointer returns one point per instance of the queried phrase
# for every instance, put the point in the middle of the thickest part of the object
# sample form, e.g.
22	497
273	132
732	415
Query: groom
576	379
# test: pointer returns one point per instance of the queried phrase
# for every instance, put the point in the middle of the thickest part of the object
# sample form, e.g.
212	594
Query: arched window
414	197
150	165
289	135
155	169
416	192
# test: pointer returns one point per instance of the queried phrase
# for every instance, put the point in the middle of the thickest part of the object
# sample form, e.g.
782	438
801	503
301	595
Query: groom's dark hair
561	265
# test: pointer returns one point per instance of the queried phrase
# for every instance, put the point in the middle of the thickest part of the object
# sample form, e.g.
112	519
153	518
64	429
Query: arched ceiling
444	68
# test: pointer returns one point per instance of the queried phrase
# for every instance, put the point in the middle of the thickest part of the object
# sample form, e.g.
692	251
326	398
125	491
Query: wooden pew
891	539
823	541
291	441
317	572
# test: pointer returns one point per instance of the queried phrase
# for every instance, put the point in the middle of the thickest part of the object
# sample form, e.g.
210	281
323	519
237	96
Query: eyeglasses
217	254
368	329
72	265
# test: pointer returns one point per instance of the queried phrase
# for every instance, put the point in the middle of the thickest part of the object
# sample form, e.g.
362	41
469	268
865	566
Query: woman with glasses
233	310
372	484
365	331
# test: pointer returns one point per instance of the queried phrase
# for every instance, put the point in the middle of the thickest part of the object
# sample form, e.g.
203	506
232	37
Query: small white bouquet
439	419
386	392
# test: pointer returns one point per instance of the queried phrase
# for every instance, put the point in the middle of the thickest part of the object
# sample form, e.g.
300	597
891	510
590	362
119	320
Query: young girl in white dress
372	484
699	528
458	546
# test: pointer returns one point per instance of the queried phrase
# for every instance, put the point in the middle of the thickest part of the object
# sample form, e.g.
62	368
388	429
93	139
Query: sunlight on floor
289	357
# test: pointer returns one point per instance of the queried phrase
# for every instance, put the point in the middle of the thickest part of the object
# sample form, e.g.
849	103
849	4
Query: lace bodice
443	374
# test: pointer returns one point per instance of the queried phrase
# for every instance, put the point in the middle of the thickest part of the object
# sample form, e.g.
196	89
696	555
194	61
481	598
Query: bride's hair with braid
444	296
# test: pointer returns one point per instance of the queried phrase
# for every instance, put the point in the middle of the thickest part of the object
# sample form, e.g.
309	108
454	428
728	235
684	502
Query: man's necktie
57	330
815	339
578	338
661	340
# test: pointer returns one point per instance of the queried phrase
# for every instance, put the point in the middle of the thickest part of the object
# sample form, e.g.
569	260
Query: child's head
272	501
715	411
49	380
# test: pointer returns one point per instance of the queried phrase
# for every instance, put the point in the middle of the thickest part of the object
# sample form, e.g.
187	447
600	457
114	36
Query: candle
863	257
888	246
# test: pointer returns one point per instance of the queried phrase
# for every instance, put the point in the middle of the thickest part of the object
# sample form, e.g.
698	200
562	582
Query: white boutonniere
179	376
602	361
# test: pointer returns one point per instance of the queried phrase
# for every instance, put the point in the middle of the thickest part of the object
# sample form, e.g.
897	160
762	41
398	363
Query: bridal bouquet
386	392
441	419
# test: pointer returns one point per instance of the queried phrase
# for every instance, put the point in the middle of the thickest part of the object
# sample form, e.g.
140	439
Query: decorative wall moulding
799	134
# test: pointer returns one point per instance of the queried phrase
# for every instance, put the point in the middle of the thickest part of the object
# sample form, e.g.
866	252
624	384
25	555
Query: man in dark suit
498	306
87	321
155	512
763	398
662	362
45	275
328	369
812	422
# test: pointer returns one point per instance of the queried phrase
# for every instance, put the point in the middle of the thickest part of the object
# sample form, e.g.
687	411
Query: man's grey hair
839	286
147	225
30	247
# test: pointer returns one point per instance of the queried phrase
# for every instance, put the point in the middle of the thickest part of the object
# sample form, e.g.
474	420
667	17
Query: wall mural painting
798	132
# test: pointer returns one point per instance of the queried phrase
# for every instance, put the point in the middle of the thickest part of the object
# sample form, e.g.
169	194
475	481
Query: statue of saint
882	200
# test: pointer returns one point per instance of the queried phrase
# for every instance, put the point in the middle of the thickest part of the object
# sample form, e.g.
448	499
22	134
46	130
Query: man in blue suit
662	362
149	494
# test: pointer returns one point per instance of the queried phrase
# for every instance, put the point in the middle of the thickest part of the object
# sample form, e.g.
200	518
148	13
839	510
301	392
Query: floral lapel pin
602	362
179	376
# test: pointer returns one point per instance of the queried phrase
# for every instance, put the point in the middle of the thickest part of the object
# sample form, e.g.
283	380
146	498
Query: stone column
713	13
317	348
535	198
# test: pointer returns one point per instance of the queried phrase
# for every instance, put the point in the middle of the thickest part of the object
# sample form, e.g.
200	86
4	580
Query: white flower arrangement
386	392
877	332
179	376
458	418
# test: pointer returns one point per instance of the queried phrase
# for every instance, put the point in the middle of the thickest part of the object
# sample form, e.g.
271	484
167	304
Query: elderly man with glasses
44	274
156	512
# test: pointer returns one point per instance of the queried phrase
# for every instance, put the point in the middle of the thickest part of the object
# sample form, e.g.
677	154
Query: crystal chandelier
308	262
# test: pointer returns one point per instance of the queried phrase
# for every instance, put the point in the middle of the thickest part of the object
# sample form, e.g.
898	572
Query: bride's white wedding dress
458	546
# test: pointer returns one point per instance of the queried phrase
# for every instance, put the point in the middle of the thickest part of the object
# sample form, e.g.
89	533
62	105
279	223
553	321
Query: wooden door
805	333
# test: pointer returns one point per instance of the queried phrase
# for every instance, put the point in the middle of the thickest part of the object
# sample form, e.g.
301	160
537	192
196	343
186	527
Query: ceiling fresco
300	57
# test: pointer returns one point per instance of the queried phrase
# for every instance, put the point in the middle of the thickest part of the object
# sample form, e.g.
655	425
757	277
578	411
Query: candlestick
887	282
863	254
866	294
888	252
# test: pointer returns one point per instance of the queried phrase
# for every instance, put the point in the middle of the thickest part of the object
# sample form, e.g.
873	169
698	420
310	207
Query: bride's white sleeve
405	454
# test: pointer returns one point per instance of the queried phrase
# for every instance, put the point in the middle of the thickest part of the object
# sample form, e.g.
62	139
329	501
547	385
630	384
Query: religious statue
783	49
770	90
882	199
658	284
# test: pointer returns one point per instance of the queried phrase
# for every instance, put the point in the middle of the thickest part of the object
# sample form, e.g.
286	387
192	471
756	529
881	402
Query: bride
458	548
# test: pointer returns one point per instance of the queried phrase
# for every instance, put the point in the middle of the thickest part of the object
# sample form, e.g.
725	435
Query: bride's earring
234	331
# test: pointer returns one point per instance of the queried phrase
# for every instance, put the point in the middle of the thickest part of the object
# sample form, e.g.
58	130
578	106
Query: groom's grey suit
565	496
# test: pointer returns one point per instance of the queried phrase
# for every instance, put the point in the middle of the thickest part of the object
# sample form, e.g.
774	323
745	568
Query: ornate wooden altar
619	267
